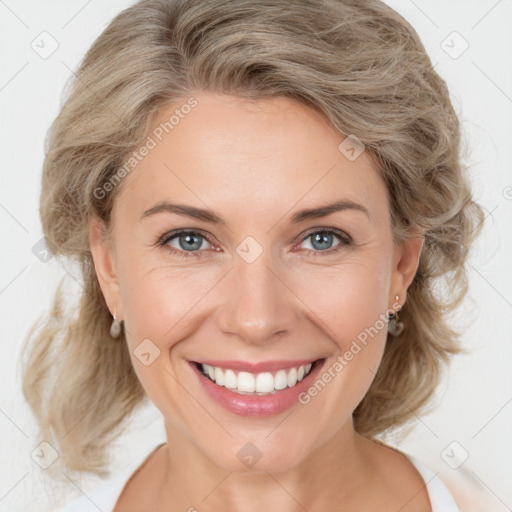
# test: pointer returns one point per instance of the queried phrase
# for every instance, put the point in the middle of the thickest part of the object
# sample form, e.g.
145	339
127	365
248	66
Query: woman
263	198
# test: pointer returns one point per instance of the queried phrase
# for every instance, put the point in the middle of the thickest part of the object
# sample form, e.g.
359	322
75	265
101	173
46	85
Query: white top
105	497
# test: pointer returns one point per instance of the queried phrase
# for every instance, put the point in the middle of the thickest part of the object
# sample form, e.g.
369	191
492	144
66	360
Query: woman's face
256	285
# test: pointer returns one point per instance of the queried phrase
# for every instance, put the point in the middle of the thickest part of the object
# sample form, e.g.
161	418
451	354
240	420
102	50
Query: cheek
347	301
158	303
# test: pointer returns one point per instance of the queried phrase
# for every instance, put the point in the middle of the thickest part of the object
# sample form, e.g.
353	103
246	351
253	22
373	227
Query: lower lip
257	405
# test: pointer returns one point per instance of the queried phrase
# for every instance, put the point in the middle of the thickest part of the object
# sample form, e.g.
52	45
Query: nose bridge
258	304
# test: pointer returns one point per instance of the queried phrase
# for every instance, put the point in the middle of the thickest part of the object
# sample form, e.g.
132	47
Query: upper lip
257	367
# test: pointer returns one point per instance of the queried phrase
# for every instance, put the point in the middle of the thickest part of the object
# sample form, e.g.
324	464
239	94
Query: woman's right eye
186	243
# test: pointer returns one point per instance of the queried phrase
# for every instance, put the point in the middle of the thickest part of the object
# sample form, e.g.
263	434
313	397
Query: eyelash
345	241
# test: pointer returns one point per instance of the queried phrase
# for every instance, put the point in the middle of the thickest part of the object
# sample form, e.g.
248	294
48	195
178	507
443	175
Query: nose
258	304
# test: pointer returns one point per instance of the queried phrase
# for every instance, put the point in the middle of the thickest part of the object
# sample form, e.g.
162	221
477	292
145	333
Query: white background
474	403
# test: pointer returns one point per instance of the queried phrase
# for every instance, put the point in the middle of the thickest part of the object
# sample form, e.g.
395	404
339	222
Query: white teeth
230	380
264	382
280	380
261	383
219	377
292	377
246	382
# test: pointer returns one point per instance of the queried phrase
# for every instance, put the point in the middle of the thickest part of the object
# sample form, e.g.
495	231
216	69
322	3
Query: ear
104	263
405	264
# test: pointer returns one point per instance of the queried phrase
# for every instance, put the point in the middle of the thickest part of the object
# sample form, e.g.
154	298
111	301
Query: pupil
323	238
190	241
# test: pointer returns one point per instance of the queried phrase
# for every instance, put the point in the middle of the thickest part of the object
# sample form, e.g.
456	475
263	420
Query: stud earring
115	328
395	327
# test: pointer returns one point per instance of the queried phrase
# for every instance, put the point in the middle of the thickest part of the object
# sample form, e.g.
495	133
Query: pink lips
256	405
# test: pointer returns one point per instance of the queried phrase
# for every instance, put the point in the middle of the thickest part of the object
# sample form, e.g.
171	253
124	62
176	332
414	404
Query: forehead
228	152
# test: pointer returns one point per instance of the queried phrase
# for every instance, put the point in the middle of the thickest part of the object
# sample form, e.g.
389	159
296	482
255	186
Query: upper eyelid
175	233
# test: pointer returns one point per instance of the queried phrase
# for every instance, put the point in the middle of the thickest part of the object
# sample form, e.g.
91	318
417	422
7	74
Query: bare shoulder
397	474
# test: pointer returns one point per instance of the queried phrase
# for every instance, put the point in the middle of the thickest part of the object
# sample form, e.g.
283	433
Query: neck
337	470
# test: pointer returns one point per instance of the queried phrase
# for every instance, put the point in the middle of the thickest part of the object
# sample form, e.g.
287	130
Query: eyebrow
208	215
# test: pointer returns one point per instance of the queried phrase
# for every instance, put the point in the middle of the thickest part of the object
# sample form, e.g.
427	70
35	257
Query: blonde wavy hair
359	64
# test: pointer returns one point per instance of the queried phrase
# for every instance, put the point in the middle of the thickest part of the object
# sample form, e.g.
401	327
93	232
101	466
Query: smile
256	389
264	383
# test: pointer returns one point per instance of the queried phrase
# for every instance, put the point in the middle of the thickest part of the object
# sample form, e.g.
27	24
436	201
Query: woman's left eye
189	243
323	238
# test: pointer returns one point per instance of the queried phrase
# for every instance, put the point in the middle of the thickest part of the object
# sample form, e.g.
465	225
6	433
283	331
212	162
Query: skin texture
256	164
